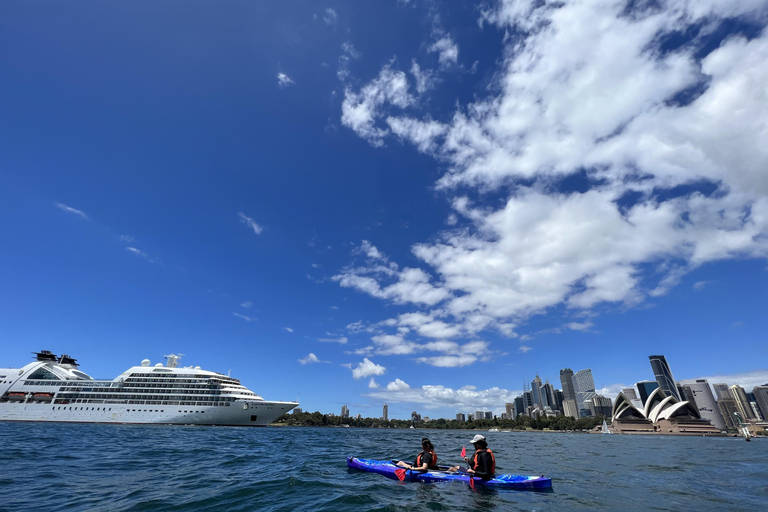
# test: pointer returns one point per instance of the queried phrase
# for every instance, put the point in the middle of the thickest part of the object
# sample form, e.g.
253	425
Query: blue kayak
388	469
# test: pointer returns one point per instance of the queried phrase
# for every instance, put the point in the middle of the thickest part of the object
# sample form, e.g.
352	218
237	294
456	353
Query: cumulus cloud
367	369
360	110
666	146
250	223
311	358
284	80
447	50
372	384
436	397
69	209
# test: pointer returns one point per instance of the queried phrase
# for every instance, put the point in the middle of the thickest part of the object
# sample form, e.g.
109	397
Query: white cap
477	438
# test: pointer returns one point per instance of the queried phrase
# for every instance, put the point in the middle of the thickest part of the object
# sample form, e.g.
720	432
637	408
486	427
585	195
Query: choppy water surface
160	468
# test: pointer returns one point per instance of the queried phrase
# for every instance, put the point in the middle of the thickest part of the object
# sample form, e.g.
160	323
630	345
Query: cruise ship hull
240	415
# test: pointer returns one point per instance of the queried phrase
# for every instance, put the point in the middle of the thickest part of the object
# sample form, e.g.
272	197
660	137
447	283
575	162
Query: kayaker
426	459
483	462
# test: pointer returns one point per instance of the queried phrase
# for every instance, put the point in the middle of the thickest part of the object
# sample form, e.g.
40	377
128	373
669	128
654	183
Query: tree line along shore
317	419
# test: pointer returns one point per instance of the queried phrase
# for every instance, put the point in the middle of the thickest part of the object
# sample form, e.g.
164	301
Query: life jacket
421	456
492	469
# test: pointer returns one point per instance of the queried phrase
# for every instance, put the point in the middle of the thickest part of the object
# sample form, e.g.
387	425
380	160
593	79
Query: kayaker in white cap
483	462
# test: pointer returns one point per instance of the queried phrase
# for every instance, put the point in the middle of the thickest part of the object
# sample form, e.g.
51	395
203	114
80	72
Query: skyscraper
761	397
742	402
548	396
385	413
601	405
664	377
479	415
509	408
566	379
570	408
536	392
645	388
344	411
488	415
519	406
558	405
460	417
630	393
727	407
705	401
584	386
721	391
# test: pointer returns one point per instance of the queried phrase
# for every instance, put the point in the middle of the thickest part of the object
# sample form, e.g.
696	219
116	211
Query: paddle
471	477
400	474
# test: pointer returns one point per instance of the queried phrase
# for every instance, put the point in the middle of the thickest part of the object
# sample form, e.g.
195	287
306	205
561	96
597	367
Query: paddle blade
463	451
472	482
400	474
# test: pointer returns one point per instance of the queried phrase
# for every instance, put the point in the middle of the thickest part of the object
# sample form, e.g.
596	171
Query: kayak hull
387	469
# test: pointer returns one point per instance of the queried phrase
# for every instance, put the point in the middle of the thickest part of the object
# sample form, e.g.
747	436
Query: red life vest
492	469
421	456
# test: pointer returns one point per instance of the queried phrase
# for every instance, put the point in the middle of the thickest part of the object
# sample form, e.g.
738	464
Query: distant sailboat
743	427
605	428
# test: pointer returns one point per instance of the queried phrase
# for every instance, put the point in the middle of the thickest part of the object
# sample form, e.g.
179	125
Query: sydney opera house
661	414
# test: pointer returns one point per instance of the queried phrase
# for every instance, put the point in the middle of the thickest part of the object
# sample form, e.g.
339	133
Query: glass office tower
664	377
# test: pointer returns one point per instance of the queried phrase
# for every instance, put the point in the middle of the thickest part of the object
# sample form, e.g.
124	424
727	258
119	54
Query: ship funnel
172	360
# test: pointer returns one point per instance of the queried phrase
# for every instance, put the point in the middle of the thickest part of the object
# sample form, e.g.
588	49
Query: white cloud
250	223
580	326
311	358
244	317
284	80
425	79
436	397
340	340
700	285
448	51
70	210
141	254
360	110
448	361
524	349
367	369
604	106
372	384
330	17
125	238
747	380
288	329
246	304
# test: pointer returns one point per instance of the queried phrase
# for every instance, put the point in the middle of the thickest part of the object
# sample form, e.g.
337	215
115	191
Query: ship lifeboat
43	396
17	396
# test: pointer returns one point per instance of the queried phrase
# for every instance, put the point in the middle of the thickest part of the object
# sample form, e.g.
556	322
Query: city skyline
415	203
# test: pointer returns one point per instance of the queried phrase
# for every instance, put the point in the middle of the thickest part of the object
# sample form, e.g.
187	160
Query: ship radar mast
172	360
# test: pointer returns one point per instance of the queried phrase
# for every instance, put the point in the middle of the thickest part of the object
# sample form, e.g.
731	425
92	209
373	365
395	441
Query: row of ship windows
150	402
109	409
149	390
72	396
167	378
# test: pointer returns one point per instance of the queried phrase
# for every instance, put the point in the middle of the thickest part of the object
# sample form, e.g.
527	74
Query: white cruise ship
53	388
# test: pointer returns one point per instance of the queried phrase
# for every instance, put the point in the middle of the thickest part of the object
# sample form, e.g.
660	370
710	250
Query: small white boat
605	428
493	430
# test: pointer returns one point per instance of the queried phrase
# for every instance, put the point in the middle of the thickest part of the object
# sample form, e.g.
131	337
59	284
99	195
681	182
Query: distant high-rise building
727	407
704	401
686	393
527	400
721	391
460	417
297	410
601	405
548	395
558	405
415	417
645	388
519	406
488	415
385	413
344	411
509	407
584	386
479	415
470	417
536	392
630	393
566	379
570	408
742	402
664	377
761	397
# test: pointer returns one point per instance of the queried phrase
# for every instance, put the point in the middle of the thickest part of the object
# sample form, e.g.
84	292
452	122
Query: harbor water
90	467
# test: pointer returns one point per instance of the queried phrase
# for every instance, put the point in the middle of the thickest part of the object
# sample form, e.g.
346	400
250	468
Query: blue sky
409	203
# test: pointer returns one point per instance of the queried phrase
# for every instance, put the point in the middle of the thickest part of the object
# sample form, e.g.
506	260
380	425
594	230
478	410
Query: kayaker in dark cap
426	459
